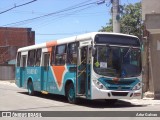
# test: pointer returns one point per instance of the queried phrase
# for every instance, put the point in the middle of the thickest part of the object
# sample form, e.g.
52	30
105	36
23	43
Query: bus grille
124	82
117	88
119	93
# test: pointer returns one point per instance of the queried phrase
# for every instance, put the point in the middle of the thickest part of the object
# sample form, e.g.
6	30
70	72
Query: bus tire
30	88
71	94
111	102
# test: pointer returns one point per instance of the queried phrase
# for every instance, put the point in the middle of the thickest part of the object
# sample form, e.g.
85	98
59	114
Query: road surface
13	98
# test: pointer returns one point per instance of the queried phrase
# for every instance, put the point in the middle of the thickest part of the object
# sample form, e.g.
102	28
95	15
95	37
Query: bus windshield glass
117	61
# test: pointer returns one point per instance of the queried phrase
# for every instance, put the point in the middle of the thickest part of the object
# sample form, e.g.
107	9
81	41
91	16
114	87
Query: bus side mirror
93	51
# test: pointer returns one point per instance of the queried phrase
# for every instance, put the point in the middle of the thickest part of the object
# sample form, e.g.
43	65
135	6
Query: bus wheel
71	94
111	101
30	88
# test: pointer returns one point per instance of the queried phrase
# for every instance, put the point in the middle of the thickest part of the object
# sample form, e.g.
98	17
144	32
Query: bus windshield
117	61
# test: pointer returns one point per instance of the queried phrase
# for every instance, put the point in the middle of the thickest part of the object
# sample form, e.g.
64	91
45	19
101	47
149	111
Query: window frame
18	62
29	62
64	54
53	55
69	53
39	59
23	61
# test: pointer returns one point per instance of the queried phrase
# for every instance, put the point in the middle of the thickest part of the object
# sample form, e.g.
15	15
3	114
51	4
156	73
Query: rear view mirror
93	51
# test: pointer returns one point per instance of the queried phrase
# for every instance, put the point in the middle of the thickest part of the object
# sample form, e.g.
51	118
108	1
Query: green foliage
130	20
108	28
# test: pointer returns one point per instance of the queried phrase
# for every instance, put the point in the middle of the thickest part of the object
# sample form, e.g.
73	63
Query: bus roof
86	36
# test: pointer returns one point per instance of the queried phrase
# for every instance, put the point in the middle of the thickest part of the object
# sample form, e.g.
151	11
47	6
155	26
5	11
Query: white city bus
96	65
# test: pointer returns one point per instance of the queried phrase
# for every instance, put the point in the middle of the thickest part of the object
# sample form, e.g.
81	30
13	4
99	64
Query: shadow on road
87	103
104	104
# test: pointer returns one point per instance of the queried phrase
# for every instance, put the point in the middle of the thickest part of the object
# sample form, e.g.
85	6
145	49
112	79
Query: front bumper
112	94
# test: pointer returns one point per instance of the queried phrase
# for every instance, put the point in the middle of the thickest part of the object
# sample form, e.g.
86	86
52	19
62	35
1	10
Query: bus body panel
60	79
18	77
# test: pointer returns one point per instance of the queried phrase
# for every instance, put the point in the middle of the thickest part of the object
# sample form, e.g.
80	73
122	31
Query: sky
56	19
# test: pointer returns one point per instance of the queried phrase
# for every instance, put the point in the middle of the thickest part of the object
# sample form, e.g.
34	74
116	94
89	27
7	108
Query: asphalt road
13	98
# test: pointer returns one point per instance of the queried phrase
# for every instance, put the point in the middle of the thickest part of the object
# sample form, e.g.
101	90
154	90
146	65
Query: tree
108	28
130	20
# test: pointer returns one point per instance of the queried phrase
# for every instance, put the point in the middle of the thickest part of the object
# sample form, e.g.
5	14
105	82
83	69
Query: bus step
44	92
80	94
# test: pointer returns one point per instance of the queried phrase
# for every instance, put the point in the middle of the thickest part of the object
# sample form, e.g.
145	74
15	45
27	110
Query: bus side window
31	58
72	53
60	55
18	59
38	57
23	65
53	56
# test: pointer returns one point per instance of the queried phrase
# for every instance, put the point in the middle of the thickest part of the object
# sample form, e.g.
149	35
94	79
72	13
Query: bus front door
45	70
23	70
83	72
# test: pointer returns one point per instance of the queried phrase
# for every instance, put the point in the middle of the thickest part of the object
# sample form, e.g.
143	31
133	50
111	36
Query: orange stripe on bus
51	43
49	46
58	72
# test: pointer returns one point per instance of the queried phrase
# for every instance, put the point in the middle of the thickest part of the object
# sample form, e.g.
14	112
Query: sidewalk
148	94
11	81
8	82
144	101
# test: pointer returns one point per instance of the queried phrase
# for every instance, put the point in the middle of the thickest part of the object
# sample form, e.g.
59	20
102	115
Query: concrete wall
150	7
152	22
155	63
151	17
7	72
145	65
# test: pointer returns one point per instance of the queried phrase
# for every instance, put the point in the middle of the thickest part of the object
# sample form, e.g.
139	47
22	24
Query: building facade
11	39
151	18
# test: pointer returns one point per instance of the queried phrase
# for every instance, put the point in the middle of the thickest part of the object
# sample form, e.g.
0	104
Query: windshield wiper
129	50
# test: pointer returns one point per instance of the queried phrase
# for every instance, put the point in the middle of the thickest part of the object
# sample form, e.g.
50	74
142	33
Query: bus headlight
99	85
137	86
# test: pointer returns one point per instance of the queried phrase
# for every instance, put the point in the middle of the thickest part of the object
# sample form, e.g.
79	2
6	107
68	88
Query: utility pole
115	16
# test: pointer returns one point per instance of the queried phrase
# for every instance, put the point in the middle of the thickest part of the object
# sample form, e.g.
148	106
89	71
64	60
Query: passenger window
72	53
31	58
38	57
23	61
60	55
18	59
46	61
53	55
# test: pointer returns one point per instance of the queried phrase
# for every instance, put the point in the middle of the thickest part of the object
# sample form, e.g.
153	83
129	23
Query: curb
149	95
11	81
